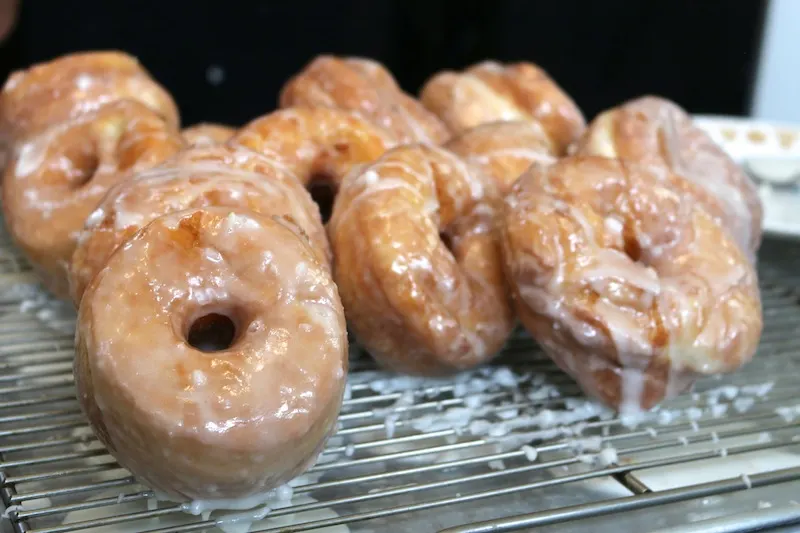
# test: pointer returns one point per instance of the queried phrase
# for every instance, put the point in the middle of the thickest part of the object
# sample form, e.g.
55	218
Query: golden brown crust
655	131
492	92
56	179
319	145
225	424
363	86
504	150
207	133
55	91
199	176
417	261
631	287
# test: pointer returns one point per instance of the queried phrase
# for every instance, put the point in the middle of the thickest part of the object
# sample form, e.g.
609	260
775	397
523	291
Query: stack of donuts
213	267
211	351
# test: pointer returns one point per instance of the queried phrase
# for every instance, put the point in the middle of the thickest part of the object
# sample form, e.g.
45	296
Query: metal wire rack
510	447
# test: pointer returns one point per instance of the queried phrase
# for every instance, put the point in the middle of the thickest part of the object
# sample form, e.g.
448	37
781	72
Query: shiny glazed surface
206	425
417	261
56	91
504	150
654	131
207	134
366	87
318	145
197	177
56	179
490	92
629	285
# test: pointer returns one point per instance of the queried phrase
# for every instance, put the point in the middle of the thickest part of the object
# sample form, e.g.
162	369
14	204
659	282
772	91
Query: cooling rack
510	447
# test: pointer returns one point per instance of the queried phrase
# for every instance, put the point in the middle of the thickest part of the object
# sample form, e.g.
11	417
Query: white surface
747	140
750	138
781	213
778	77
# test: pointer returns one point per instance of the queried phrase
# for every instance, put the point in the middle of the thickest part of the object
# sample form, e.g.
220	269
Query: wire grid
411	454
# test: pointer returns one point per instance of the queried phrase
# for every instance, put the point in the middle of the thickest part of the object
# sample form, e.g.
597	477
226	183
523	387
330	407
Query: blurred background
226	61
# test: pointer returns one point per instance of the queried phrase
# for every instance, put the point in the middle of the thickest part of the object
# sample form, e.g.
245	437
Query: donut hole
129	150
323	192
86	163
212	332
633	250
630	244
447	240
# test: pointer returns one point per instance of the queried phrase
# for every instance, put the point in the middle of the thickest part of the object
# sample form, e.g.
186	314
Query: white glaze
657	131
364	87
430	190
199	176
268	397
680	281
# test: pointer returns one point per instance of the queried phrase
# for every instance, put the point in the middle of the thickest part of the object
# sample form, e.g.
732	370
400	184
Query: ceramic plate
770	152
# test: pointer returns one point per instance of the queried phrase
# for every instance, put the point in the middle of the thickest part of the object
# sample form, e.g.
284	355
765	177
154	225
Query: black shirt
226	60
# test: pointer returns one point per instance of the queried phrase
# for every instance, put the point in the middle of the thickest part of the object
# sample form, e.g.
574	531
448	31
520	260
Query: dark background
226	60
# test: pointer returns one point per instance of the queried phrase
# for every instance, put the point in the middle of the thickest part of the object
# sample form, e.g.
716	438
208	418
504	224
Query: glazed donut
319	145
631	287
56	179
417	261
245	354
363	86
504	150
492	92
206	134
655	131
197	177
56	91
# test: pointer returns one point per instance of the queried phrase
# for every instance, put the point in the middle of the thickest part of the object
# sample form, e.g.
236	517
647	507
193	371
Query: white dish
772	149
